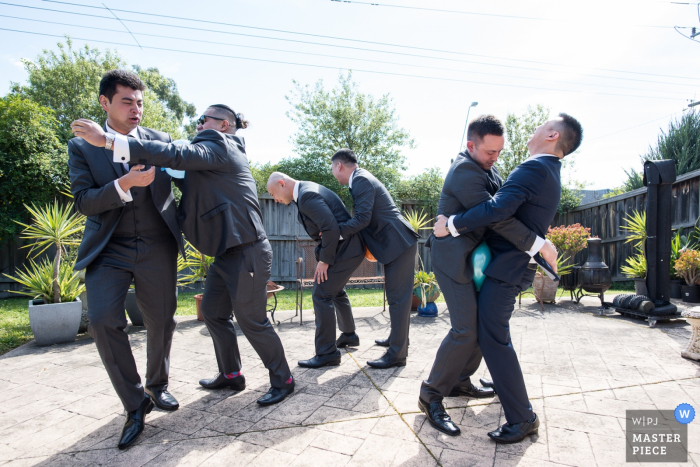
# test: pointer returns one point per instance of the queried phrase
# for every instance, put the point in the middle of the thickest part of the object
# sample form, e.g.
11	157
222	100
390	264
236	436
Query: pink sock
232	375
289	381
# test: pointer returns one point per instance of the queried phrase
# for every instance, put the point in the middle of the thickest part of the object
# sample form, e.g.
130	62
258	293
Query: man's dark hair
484	125
345	156
108	84
570	134
232	117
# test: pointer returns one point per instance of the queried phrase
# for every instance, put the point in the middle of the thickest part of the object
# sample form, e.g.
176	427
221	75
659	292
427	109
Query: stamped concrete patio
582	372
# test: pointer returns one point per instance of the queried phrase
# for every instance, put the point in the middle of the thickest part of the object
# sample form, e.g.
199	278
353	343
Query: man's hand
89	131
549	254
440	228
321	273
137	178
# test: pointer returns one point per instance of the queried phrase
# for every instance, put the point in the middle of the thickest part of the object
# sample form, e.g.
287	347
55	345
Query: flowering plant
688	266
569	239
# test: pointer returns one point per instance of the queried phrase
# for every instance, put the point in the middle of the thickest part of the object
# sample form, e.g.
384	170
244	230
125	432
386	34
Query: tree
681	143
261	172
425	187
68	80
518	132
634	180
33	162
344	118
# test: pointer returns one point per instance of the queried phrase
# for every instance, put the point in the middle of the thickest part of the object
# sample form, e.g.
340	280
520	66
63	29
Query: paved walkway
582	372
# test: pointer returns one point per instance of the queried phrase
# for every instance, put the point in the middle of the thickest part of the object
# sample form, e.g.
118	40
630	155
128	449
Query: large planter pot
569	281
691	293
430	310
432	293
545	288
640	286
676	285
84	320
54	323
198	303
132	308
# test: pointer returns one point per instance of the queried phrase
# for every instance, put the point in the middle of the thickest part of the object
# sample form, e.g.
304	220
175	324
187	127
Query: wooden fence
607	217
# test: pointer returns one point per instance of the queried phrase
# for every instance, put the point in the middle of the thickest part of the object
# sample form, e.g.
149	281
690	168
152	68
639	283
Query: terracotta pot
415	303
545	288
198	301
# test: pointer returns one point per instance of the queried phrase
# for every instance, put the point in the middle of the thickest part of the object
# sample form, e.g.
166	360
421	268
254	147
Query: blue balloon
481	257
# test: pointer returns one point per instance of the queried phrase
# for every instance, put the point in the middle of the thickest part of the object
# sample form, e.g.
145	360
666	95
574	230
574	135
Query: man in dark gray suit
471	180
320	212
131	234
220	215
391	240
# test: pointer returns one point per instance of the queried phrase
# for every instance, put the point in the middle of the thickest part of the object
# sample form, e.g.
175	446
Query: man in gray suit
471	180
131	234
320	212
220	215
391	240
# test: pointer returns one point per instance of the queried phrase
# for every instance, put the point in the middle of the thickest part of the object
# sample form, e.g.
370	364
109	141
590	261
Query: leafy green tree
425	187
634	180
344	118
33	161
67	81
261	172
571	196
518	132
681	143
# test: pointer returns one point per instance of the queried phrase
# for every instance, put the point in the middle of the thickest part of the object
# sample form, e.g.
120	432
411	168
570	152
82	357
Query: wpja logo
658	435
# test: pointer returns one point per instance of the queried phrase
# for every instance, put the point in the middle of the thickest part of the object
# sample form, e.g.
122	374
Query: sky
618	66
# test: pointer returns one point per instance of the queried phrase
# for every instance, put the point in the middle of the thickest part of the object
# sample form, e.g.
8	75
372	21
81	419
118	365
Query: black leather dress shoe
487	383
472	391
275	395
163	399
385	342
347	341
329	359
508	434
385	361
135	421
437	416
220	382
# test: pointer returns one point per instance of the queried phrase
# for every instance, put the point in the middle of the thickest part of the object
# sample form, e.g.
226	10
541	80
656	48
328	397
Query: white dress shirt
121	146
539	241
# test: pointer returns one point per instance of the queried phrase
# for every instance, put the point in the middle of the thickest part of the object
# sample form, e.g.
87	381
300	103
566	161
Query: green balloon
481	257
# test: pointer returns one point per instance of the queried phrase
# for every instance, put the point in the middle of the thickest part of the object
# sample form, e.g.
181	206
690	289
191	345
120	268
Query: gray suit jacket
468	185
384	230
321	210
92	174
219	207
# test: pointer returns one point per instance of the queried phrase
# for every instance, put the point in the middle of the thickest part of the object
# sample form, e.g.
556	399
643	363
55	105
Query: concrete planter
54	323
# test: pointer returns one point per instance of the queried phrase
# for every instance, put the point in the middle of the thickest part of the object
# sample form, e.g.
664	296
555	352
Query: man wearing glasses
220	215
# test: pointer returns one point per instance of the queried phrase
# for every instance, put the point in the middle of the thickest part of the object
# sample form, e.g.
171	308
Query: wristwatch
109	143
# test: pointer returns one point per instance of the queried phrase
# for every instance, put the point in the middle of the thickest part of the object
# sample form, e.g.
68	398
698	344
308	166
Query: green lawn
14	324
15	330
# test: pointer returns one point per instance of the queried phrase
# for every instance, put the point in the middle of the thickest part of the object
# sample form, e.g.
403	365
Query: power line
340	38
200	53
132	35
335	56
636	126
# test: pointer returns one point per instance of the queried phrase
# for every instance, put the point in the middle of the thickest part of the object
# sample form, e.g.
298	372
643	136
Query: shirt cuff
451	226
536	247
121	149
125	197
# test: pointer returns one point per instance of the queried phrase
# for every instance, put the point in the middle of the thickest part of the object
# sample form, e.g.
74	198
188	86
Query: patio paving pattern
582	370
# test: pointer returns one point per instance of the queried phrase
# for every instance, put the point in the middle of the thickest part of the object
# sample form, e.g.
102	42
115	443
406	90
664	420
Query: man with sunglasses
220	215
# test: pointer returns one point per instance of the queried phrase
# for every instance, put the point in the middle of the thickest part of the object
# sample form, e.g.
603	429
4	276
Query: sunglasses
203	118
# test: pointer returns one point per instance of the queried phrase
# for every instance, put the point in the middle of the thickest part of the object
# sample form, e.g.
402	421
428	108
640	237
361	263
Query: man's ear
471	147
104	102
553	135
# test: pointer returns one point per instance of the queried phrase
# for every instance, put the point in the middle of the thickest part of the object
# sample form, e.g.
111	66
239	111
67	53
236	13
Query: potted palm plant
688	266
55	309
417	221
636	268
196	266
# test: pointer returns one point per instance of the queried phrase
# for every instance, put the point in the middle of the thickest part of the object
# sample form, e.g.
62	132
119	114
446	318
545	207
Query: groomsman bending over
131	234
219	214
390	239
320	212
531	195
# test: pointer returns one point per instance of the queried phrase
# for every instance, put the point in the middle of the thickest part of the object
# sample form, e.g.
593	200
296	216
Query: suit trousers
496	304
237	281
153	269
398	280
458	356
330	299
